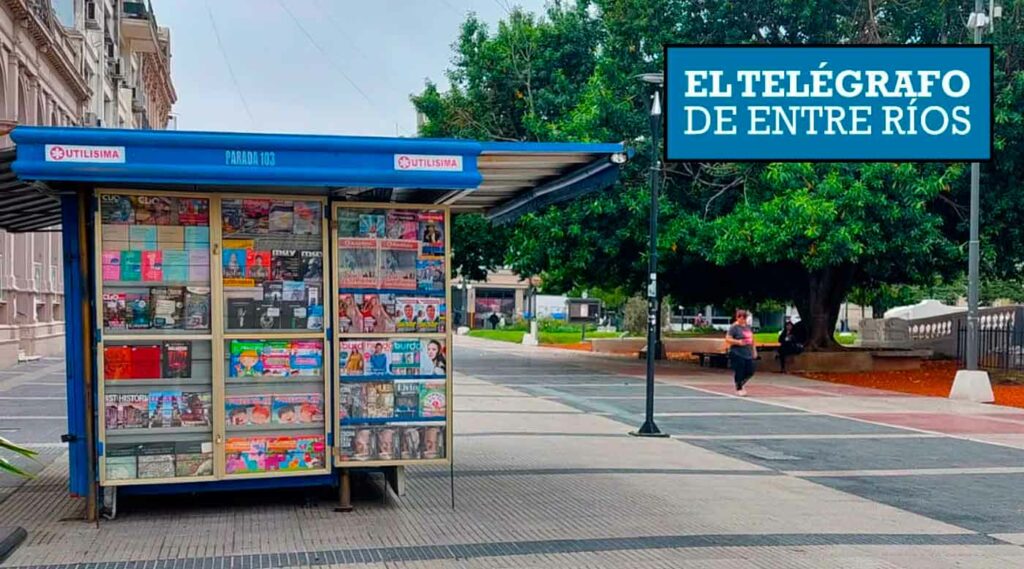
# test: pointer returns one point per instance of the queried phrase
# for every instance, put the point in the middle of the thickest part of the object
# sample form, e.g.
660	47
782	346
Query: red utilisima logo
404	162
57	153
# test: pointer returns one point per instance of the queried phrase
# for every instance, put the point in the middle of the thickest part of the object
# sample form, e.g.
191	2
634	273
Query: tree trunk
819	306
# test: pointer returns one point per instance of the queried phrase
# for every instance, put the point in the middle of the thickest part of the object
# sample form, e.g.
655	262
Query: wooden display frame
217	337
447	335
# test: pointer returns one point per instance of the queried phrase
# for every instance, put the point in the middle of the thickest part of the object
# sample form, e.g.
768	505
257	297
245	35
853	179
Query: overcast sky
312	66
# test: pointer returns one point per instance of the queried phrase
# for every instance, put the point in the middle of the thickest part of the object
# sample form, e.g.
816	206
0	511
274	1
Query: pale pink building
68	63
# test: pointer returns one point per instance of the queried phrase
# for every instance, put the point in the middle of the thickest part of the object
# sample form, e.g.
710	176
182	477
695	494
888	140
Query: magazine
133	409
197	308
112	411
257	265
380	400
405	357
281	218
164	409
177	360
196	409
411	444
371	225
231	215
277	358
176	265
407	399
241	313
398	264
387	442
430	275
305	408
408	314
432	233
234	263
377	354
170	238
139	314
307	218
115	311
362	446
192	459
428	315
243	410
111	266
245	455
306	453
116	209
246	358
357	263
312	265
307	359
193	211
433	399
350	358
286	265
255	216
402	225
146	362
117	362
197	238
199	265
155	210
168	307
432	360
122	462
142	237
432	442
268	315
131	266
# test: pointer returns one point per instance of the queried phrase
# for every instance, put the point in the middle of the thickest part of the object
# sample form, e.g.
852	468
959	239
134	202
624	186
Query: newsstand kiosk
248	311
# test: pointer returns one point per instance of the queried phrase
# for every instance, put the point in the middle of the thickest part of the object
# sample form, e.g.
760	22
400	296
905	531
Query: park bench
713	359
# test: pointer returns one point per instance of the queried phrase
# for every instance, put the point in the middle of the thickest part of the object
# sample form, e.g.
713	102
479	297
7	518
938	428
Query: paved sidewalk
802	474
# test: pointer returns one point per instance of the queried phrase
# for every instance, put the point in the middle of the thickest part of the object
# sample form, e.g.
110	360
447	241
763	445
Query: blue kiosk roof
501	179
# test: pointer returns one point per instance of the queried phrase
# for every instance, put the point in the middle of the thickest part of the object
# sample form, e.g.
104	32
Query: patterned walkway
802	474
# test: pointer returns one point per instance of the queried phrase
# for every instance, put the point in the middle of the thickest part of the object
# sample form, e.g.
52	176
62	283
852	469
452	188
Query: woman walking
742	351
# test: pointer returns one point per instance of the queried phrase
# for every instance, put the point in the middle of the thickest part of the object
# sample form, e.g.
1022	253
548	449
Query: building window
53	278
3	272
37	273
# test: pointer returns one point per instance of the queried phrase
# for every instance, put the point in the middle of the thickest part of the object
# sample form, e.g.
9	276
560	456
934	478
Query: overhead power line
227	61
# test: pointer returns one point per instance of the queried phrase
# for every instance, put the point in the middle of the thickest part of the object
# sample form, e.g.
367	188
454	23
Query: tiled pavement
802	474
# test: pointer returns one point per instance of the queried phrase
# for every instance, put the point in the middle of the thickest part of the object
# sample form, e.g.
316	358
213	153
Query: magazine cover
196	409
282	217
117	362
353	404
357	263
146	362
193	211
410	447
373	314
312	265
273	291
177	359
307	218
115	310
306	453
362	445
234	264
154	210
246	358
430	275
197	237
432	442
197	308
378	357
294	315
348	222
350	358
277	358
257	265
168	307
134	410
380	400
432	233
302	408
111	266
245	455
293	291
116	209
387	442
307	358
112	411
371	225
286	265
255	216
176	265
268	316
407	314
137	304
243	410
191	460
131	266
405	357
164	409
115	237
241	313
152	266
433	399
429	315
407	399
170	238
122	463
199	266
315	317
402	225
142	237
433	360
231	216
398	264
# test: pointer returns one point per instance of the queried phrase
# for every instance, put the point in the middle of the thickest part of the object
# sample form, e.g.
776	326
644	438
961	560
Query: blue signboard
828	103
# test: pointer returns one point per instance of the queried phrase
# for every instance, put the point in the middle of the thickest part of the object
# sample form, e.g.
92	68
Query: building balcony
138	27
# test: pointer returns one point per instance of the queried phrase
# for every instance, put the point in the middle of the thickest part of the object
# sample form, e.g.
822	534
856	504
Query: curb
10	538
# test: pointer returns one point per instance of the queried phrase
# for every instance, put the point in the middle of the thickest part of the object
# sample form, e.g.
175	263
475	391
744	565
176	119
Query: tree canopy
802	233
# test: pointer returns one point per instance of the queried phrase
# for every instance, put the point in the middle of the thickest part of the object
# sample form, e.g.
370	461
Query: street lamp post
972	383
649	428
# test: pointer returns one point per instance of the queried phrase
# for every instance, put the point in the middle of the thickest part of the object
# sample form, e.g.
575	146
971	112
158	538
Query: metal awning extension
24	206
503	179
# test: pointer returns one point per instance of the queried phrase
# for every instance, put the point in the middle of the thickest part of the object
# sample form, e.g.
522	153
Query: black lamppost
649	428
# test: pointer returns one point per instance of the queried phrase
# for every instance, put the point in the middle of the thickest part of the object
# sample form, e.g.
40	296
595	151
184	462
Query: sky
312	66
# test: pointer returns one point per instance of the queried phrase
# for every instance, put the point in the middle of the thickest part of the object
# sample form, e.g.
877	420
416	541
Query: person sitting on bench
790	343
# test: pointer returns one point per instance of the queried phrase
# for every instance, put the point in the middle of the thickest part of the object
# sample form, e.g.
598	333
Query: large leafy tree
803	233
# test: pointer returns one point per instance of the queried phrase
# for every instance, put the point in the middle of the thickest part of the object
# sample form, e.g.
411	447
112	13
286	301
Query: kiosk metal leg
396	479
345	492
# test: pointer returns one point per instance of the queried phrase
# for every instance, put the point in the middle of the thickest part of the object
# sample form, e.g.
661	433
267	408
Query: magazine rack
213	342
